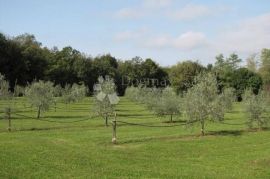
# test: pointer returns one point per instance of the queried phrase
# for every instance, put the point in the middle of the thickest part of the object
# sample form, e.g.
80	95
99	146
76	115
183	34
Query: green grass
41	149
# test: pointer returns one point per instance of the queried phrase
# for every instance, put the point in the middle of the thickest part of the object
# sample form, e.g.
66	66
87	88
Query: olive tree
255	108
57	93
132	93
105	97
67	98
166	103
139	94
5	93
19	90
228	97
151	97
40	95
7	96
202	101
78	92
74	93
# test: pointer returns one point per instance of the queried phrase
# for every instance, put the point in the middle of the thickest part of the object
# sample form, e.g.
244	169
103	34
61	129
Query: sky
168	31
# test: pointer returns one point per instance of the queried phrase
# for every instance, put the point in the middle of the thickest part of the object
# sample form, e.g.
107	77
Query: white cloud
247	37
166	8
144	38
186	41
145	8
244	37
189	12
131	35
190	40
130	13
156	3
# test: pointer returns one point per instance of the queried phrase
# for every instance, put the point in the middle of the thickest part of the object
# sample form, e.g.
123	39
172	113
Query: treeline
23	59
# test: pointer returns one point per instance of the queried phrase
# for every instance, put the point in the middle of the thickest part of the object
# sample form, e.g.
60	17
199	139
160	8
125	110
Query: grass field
42	149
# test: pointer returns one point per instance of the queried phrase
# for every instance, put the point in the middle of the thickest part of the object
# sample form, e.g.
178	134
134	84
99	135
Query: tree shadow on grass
55	128
195	136
174	121
225	133
63	117
135	115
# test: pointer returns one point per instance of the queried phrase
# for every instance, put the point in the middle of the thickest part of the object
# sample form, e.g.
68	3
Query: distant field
43	149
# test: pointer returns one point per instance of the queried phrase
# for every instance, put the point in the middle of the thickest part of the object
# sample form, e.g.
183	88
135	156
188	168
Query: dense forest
24	59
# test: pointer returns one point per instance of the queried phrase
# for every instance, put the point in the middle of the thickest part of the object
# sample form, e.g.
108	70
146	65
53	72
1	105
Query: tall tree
242	78
252	63
183	74
264	69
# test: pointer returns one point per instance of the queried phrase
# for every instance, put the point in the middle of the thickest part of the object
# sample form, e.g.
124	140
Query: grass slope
41	149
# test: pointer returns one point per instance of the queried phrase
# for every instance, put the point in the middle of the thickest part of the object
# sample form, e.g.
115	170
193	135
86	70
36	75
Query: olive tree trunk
202	127
38	113
106	120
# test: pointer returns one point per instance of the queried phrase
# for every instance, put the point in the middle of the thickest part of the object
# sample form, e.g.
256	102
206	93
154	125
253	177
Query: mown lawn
42	149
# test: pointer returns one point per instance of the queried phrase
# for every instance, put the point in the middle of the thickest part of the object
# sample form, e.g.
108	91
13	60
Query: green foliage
135	71
230	75
29	60
40	95
202	101
242	78
255	108
183	74
264	69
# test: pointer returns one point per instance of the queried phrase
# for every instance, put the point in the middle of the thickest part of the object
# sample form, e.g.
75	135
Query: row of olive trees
201	103
41	94
162	102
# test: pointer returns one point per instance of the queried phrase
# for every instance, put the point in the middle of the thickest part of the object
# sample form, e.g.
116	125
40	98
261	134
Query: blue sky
167	31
